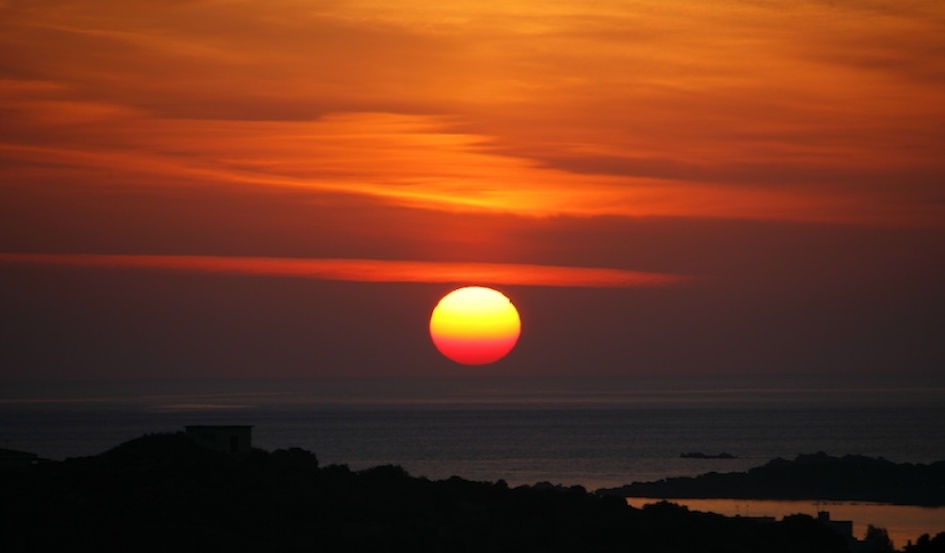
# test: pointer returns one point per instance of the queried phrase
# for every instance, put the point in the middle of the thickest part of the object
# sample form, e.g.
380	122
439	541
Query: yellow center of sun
475	325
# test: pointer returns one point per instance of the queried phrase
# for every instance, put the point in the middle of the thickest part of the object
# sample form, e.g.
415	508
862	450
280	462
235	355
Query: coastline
904	523
168	485
811	477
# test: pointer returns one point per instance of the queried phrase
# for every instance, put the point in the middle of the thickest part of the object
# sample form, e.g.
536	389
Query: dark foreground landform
163	493
817	476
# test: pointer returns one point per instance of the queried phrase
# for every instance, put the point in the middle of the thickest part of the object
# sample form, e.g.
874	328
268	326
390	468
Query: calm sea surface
595	432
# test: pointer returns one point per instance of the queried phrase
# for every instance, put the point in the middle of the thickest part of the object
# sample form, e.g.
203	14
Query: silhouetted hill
162	493
817	476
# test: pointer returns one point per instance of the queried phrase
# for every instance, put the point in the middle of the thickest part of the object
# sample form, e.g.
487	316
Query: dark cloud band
363	270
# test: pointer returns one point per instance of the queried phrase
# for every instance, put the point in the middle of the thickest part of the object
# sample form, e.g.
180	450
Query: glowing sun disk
475	325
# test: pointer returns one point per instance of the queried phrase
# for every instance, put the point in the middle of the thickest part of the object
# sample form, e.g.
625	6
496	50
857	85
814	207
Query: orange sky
775	110
603	136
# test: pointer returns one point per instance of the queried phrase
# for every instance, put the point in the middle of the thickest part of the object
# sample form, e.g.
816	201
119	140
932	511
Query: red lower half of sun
475	326
475	351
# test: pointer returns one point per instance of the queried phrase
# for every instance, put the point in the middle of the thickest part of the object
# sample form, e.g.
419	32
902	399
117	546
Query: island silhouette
815	476
164	492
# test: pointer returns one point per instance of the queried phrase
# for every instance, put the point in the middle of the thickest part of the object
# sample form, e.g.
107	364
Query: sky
229	188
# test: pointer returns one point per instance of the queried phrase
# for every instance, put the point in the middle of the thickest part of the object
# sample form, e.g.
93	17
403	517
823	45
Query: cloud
635	109
364	270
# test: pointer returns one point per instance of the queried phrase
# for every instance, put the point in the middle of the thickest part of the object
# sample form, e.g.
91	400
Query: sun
475	325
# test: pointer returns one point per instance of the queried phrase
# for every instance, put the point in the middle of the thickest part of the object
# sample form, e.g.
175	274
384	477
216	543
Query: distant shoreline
816	477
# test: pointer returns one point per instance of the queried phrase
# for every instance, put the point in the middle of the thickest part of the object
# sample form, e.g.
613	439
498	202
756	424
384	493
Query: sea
590	431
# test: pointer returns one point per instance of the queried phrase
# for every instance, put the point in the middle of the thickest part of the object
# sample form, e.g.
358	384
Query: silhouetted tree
926	544
878	539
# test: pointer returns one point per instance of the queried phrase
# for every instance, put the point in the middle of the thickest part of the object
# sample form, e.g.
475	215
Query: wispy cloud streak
363	270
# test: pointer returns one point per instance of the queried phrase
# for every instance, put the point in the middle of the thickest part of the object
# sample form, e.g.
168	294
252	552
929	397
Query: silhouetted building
228	439
842	527
845	529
